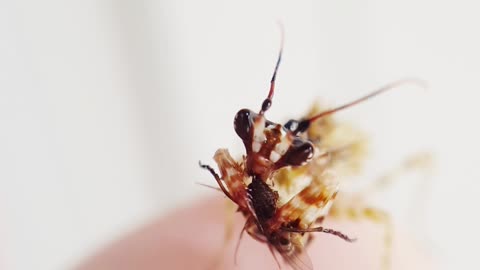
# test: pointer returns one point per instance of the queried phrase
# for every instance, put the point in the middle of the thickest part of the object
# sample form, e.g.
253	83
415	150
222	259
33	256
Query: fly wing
310	204
294	252
298	260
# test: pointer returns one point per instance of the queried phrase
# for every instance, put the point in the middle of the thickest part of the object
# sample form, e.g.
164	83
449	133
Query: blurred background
107	106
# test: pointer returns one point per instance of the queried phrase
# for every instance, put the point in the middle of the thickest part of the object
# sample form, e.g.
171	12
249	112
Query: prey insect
275	214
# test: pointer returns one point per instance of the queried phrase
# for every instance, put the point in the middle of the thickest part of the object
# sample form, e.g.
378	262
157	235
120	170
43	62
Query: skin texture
193	238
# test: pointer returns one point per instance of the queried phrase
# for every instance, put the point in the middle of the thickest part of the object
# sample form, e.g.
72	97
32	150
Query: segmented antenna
267	103
305	124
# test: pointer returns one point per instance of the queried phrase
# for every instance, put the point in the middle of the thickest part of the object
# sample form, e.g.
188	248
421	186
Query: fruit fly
264	183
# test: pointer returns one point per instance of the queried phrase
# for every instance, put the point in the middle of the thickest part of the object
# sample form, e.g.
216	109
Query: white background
107	106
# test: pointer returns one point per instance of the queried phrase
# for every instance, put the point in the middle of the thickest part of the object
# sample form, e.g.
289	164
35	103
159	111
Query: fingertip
194	238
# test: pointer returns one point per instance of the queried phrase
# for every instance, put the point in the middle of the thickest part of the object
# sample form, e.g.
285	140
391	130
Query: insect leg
217	178
320	229
348	208
417	162
239	240
218	260
252	230
272	250
209	186
382	217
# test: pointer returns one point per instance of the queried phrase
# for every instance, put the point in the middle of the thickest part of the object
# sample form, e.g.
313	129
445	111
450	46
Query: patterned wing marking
232	174
311	203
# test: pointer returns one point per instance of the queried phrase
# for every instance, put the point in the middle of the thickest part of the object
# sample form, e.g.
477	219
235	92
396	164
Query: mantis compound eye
243	123
291	125
300	152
